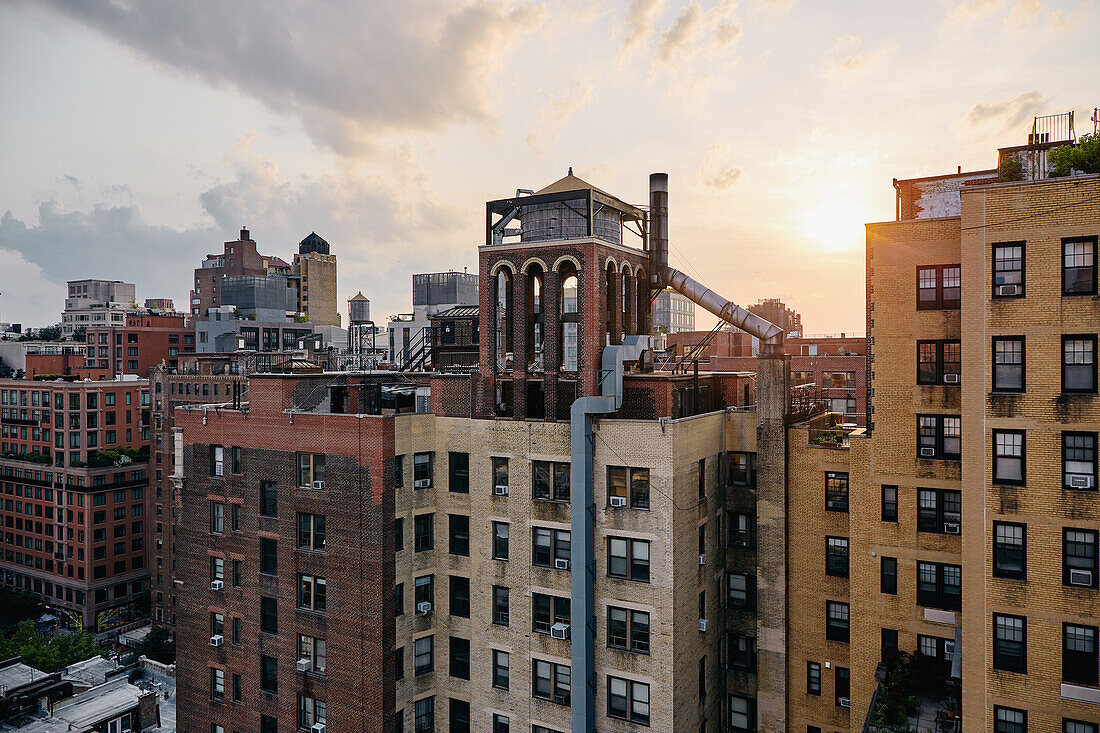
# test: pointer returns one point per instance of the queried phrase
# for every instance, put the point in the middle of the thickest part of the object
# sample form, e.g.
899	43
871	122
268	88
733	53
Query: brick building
74	468
496	563
315	269
237	258
143	341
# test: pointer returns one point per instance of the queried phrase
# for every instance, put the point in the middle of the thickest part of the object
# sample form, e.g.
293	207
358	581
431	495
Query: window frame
1087	337
1010	661
630	498
940	512
631	559
813	678
630	641
837	564
889	508
1083	668
939	363
1001	550
1095	458
940	302
555	491
888	581
1062	257
939	452
994	385
501	544
629	703
833	504
997	457
1066	567
1023	269
458	478
834	629
939	597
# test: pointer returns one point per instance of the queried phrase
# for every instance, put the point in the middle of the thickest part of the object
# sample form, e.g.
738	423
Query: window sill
624	650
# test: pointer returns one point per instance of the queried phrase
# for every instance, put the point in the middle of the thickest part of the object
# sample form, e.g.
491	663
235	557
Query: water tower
360	332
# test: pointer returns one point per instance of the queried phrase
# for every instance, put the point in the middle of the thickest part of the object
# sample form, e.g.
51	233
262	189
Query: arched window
570	294
502	328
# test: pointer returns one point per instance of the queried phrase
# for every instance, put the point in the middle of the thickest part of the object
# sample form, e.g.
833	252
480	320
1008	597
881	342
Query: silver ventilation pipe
770	335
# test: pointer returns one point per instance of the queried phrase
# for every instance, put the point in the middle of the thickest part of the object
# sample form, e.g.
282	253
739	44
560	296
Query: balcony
916	693
832	430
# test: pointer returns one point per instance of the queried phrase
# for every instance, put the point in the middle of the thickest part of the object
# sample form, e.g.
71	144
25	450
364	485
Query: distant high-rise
672	313
95	303
238	258
317	289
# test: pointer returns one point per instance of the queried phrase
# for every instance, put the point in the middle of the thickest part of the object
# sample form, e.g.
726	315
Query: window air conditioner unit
844	702
422	483
950	378
951	528
559	631
500	490
927	452
304	664
703	623
1080	577
317	728
217	640
318	485
1008	290
618	501
423	607
1080	481
216	584
702	558
561	563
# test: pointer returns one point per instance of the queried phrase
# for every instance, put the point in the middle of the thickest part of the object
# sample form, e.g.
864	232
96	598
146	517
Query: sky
138	136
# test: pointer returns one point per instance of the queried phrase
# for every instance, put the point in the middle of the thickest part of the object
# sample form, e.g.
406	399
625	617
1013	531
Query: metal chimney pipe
658	230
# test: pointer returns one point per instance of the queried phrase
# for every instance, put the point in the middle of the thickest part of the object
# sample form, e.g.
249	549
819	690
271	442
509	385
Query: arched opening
627	287
611	301
569	299
502	329
643	307
534	316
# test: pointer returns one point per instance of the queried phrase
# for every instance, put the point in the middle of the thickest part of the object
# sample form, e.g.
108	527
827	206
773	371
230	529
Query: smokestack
658	230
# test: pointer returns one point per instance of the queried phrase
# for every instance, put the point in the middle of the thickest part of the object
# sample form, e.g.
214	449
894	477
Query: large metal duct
770	335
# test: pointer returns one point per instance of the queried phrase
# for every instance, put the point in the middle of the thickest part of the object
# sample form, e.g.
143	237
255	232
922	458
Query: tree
159	646
50	333
79	333
16	607
1083	157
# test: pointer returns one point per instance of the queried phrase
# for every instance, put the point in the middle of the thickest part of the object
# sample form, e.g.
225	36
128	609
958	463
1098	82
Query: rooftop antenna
1096	120
570	170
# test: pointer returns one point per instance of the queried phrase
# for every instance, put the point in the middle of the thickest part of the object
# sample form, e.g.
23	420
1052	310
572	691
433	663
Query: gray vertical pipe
658	230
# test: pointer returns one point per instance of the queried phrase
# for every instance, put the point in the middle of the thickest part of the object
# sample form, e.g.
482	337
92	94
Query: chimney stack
658	230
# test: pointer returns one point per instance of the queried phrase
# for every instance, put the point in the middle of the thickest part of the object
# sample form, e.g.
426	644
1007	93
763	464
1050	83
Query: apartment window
740	529
269	503
550	681
939	585
742	717
501	663
235	511
1008	364
424	715
1079	461
836	556
548	611
939	511
742	469
217	517
550	548
459	597
399	472
399	599
458	472
217	568
398	534
890	503
1079	565
888	575
813	678
628	558
217	684
939	362
1079	657
269	724
628	630
836	621
237	573
310	711
311	470
1077	726
217	460
550	481
939	436
842	687
1009	550
628	487
459	658
459	712
458	534
269	556
1009	448
938	287
1079	364
501	723
500	605
315	651
424	590
423	655
269	615
1010	642
423	532
740	590
269	675
500	540
836	491
422	470
311	593
311	532
237	628
500	475
741	652
238	694
1079	266
1008	270
888	644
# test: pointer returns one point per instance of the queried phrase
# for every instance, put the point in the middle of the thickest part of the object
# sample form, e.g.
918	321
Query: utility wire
624	462
1031	215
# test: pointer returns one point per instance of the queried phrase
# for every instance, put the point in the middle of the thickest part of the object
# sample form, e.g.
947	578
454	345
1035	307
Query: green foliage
158	646
50	333
1083	157
29	457
16	607
49	655
1010	169
80	333
117	457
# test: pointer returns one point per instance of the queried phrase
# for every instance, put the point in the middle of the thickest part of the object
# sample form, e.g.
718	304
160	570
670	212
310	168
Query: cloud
717	172
1028	16
692	32
557	113
28	298
381	228
970	11
1006	114
846	59
349	71
681	33
641	18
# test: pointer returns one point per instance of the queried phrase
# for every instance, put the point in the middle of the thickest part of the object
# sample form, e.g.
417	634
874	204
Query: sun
835	224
